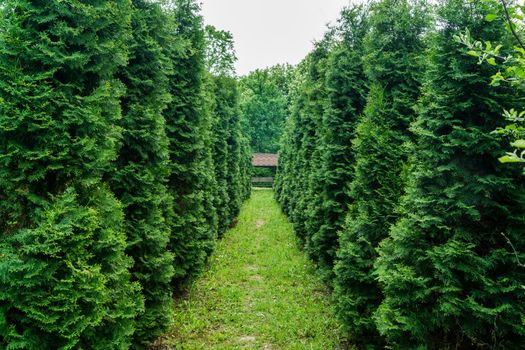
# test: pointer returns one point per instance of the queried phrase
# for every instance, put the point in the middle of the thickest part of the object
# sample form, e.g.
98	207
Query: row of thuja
389	172
122	160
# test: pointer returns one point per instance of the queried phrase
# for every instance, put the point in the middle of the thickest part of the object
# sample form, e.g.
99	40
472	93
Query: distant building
265	166
265	160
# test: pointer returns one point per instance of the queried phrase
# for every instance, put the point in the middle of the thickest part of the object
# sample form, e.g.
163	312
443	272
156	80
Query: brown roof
265	159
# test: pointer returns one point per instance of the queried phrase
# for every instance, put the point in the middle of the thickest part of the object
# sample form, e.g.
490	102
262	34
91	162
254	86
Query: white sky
268	32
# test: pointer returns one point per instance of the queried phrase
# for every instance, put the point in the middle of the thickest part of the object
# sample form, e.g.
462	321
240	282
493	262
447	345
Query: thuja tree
286	177
64	280
299	152
392	49
450	277
235	154
221	109
188	124
346	88
288	145
220	60
309	106
245	164
140	180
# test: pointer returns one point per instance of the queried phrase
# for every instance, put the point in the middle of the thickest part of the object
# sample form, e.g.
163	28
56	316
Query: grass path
259	292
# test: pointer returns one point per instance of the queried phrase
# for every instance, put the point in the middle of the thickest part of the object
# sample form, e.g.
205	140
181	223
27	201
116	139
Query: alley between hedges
259	291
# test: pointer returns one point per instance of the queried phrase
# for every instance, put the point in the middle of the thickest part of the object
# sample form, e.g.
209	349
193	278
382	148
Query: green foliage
264	171
191	179
220	52
264	99
346	88
392	55
449	277
64	280
231	152
107	176
142	168
511	64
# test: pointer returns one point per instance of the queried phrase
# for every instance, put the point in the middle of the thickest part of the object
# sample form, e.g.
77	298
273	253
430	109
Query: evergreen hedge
450	277
402	202
107	171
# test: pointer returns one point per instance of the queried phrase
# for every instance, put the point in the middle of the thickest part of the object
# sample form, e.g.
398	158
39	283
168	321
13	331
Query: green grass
259	292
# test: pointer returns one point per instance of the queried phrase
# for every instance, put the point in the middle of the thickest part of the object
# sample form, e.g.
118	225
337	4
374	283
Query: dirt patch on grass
256	278
260	223
251	268
247	339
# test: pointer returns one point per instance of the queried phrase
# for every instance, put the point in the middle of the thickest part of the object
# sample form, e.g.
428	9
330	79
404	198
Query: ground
259	291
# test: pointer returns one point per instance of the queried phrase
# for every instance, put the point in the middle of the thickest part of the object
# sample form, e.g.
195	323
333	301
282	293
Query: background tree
64	280
447	262
264	105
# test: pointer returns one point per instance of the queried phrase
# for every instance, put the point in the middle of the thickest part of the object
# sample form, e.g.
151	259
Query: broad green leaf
510	158
491	17
518	144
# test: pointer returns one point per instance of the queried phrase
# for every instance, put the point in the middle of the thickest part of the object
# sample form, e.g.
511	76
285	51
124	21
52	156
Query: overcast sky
268	32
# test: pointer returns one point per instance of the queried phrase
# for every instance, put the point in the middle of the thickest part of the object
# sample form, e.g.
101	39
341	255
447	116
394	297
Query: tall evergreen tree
288	145
224	90
140	180
451	279
220	60
191	181
308	105
346	88
234	179
392	54
64	280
